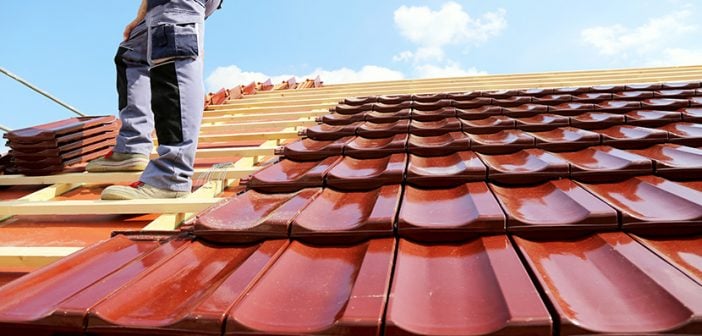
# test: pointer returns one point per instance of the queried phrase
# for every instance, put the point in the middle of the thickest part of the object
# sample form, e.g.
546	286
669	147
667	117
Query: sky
67	47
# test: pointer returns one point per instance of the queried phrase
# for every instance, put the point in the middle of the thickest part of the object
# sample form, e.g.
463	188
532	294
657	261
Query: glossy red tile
554	99
527	166
606	164
29	304
617	106
680	85
433	128
388	117
572	90
608	283
318	290
488	125
664	104
359	100
536	92
629	136
188	293
677	93
433	105
571	109
559	205
593	97
500	94
365	148
338	217
682	252
71	140
526	110
313	150
684	133
428	97
352	109
336	119
394	99
438	145
652	118
674	161
365	174
692	114
607	88
465	95
596	120
452	214
472	103
502	142
480	112
324	132
653	204
252	216
644	86
56	129
541	122
513	101
384	130
565	139
475	288
633	95
434	114
290	176
696	101
445	171
383	107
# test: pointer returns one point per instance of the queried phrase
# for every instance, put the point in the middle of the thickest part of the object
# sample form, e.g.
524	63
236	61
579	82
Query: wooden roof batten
287	112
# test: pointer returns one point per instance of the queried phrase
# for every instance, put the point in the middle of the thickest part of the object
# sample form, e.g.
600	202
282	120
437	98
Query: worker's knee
174	41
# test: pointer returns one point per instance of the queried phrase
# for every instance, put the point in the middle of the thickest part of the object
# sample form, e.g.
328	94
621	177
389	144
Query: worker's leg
131	151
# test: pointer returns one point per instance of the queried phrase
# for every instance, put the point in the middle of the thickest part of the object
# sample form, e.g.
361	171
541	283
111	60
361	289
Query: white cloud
450	70
230	76
403	56
651	36
678	56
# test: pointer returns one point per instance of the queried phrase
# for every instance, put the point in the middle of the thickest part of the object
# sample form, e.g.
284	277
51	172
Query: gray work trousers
160	86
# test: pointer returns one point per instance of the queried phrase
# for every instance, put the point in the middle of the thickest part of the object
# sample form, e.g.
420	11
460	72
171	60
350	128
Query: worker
159	85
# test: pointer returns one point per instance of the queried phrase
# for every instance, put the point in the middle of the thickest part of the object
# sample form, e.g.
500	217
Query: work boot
139	190
118	162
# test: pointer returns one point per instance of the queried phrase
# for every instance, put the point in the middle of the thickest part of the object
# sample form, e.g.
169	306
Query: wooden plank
255	117
105	178
32	257
209	129
45	194
98	207
249	137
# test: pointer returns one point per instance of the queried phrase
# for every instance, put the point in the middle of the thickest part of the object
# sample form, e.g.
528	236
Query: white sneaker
139	190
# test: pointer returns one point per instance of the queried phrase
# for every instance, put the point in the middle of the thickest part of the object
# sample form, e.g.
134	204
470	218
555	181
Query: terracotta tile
692	114
644	86
696	101
433	128
445	171
313	150
438	145
684	133
449	214
674	161
337	119
680	85
326	132
652	118
394	99
56	129
618	106
352	109
536	92
364	174
653	204
606	164
188	293
571	109
572	90
500	94
59	155
338	217
525	167
30	305
433	105
596	120
318	290
541	122
364	148
565	139
433	115
626	288
526	110
681	252
252	216
502	142
359	100
475	288
607	88
628	136
633	95
593	97
71	140
553	99
480	112
47	166
664	104
291	176
384	130
559	205
492	124
677	93
465	95
388	117
472	103
382	107
428	97
513	101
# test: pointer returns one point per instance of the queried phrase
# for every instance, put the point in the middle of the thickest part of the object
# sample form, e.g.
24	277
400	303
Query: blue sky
67	47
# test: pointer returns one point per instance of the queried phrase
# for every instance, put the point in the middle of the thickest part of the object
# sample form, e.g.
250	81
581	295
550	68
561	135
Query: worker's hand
140	16
128	29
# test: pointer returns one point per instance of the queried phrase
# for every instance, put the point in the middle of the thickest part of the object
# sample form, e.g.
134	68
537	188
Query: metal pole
41	92
5	128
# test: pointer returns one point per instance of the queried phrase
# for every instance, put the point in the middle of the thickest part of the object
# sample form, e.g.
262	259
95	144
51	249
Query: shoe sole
122	166
128	195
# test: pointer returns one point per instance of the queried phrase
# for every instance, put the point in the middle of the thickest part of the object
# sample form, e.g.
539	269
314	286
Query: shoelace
109	154
137	184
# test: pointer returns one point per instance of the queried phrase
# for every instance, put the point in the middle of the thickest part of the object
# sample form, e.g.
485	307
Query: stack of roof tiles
550	211
52	147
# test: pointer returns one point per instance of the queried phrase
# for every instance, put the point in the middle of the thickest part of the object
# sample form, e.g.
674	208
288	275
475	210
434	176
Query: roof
563	203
